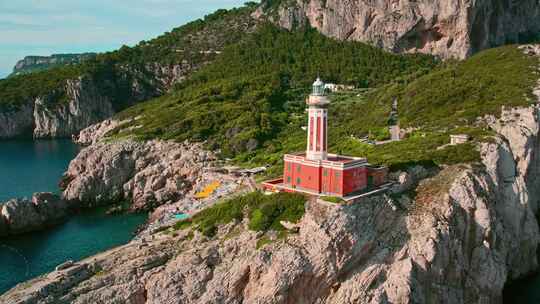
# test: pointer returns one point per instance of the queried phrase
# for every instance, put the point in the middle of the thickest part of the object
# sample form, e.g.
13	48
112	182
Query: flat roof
334	158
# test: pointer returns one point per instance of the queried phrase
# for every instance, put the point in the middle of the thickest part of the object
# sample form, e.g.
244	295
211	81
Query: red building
317	172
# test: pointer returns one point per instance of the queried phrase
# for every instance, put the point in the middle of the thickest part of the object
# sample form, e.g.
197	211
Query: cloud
43	27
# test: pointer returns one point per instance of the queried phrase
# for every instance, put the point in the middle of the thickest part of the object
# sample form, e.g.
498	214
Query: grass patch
457	93
263	241
162	229
183	224
333	199
419	149
264	211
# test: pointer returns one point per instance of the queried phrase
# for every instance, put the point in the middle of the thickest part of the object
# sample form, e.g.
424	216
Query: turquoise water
181	216
27	167
27	256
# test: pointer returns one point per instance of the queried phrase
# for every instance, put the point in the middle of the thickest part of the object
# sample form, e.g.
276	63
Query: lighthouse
317	141
317	172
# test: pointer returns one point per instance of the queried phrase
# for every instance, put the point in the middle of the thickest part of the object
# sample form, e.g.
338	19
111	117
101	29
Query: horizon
35	28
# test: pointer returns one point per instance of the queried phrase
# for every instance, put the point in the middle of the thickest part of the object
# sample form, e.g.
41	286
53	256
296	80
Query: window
289	167
337	174
299	168
298	181
288	179
325	172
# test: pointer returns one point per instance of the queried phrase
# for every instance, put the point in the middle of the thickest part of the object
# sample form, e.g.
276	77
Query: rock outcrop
94	133
85	106
32	64
449	29
85	101
468	231
21	215
147	173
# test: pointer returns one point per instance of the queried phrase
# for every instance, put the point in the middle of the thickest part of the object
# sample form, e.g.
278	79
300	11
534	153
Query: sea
28	166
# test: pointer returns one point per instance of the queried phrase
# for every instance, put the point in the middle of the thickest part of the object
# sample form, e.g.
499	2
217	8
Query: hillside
250	104
255	89
32	64
72	97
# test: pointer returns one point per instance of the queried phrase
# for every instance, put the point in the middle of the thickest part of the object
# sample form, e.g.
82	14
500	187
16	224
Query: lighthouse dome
318	87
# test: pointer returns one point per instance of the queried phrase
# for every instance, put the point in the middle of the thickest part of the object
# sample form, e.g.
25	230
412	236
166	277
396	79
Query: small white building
458	139
332	87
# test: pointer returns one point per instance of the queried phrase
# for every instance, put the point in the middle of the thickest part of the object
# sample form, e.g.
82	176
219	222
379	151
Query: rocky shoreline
139	175
468	231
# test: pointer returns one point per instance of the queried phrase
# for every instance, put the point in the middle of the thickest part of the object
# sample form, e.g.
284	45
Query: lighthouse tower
317	142
317	172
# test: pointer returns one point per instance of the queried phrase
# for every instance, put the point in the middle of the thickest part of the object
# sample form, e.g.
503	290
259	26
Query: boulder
21	215
50	206
64	265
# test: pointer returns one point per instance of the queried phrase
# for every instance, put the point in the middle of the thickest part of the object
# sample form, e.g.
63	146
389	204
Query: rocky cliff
32	64
87	100
148	174
449	29
468	230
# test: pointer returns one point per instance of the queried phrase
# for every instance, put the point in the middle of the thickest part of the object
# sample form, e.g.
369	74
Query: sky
45	27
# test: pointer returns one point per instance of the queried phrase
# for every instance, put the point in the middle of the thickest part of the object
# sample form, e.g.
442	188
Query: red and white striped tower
317	142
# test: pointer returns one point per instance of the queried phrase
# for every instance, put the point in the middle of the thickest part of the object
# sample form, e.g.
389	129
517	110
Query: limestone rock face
86	106
85	101
148	173
30	64
22	215
94	133
449	29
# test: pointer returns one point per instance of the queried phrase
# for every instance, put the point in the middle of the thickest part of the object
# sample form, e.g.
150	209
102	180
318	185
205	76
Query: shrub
264	211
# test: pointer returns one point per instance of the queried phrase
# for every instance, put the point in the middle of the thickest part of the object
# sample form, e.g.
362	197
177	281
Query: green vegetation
20	89
254	91
249	102
42	63
418	149
191	44
333	199
181	225
457	94
264	211
263	241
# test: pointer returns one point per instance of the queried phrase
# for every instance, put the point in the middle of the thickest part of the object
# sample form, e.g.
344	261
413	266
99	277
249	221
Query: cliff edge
448	29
